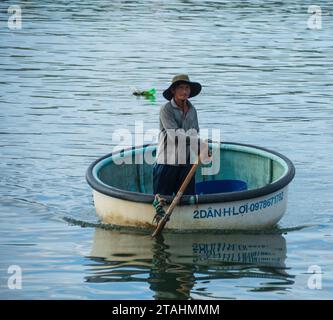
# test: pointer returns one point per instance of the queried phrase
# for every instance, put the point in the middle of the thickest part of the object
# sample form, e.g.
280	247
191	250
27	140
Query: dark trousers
168	179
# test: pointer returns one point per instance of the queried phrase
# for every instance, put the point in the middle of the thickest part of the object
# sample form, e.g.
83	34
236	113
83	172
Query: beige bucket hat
182	78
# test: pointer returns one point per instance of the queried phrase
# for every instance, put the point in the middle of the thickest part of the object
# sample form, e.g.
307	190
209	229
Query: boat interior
132	169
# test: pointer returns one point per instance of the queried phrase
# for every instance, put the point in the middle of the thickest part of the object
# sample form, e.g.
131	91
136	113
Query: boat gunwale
193	199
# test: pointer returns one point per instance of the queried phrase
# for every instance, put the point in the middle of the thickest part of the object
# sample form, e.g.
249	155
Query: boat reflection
174	264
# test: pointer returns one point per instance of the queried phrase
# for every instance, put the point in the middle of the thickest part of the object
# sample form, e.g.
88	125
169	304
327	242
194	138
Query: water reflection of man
170	280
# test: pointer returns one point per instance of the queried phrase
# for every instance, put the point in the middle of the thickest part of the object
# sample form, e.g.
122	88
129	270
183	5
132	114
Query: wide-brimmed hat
182	78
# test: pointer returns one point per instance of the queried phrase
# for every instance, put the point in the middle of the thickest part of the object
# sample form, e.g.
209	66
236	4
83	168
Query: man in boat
179	144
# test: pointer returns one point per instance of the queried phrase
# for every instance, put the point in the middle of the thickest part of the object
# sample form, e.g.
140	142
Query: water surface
66	83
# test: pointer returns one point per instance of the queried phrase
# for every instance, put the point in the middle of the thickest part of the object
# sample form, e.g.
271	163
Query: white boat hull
250	214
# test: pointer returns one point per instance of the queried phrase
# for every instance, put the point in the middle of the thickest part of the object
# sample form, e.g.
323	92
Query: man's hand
205	153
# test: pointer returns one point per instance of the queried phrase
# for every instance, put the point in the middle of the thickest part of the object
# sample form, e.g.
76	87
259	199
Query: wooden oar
175	201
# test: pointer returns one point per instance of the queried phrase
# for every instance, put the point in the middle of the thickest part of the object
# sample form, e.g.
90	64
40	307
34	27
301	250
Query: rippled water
65	87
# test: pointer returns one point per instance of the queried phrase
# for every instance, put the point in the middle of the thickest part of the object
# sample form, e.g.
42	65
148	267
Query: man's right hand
205	153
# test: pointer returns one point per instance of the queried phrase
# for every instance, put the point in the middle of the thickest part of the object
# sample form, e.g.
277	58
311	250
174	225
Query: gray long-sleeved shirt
178	138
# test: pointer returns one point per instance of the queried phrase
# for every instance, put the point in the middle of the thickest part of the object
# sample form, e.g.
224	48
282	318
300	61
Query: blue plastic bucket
220	186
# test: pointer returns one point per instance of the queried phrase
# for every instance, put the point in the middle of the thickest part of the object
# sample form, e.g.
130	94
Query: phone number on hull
234	211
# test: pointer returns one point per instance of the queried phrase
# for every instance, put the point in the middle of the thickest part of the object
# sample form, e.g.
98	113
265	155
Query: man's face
181	92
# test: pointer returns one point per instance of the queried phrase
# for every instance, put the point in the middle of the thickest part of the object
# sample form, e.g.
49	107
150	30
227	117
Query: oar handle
175	200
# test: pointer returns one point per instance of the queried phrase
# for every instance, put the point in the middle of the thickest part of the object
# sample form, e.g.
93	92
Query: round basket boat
248	191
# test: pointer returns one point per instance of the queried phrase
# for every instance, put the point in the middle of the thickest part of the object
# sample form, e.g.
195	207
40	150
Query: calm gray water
65	87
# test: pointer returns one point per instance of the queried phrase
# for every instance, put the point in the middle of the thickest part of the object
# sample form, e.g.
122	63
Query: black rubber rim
188	199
